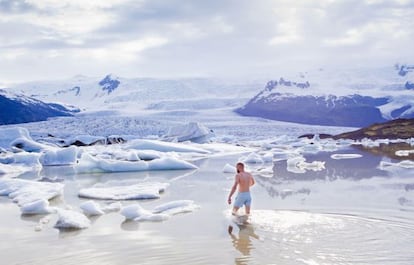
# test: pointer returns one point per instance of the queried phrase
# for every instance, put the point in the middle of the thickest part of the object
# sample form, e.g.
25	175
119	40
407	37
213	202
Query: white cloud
234	37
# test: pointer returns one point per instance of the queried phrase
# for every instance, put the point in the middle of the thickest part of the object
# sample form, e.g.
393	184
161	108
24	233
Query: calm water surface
349	213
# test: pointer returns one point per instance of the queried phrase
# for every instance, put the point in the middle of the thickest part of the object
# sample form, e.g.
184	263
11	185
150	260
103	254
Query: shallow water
350	213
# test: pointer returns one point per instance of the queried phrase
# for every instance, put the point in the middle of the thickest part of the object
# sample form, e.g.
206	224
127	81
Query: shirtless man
244	180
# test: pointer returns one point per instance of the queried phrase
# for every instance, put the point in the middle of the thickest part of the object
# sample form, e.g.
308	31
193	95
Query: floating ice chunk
345	156
28	145
193	131
176	207
120	191
37	207
8	135
28	159
137	213
13	169
404	152
71	219
164	146
384	165
169	163
89	163
299	165
266	172
229	169
27	191
252	158
267	158
91	208
59	156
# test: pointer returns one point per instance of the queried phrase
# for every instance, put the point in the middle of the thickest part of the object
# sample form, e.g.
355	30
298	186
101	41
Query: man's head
240	167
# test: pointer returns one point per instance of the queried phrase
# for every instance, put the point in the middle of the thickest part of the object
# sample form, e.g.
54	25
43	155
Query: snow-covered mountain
354	98
17	108
112	92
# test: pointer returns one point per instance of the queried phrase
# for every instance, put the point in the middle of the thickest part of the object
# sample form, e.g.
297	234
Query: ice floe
91	208
345	156
176	207
69	219
88	163
124	190
137	213
27	191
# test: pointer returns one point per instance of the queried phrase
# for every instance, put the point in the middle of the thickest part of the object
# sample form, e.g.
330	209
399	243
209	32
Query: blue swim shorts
243	198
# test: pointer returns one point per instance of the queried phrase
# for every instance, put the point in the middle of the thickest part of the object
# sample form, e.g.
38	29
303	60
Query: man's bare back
244	181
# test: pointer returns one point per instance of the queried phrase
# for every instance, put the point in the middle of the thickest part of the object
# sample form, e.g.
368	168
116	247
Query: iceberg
229	169
69	219
114	190
59	156
89	163
91	208
37	207
164	146
252	158
193	131
8	135
28	145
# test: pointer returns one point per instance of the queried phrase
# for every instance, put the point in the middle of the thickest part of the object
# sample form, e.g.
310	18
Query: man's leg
247	209
235	209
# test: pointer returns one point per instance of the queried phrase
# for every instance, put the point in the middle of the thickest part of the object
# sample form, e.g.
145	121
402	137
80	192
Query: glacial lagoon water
352	212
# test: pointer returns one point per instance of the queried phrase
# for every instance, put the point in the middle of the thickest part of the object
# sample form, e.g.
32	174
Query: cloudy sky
49	39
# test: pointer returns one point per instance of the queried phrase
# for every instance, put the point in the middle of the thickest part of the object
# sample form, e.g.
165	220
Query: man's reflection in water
243	242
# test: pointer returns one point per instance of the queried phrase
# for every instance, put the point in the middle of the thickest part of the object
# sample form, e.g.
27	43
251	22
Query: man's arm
233	189
252	181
